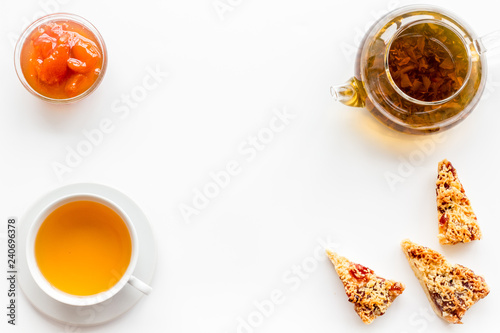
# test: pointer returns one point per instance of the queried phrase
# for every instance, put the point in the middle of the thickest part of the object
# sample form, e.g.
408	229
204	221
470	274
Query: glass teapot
419	70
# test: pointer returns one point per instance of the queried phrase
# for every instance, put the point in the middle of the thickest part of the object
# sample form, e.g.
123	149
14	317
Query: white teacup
77	300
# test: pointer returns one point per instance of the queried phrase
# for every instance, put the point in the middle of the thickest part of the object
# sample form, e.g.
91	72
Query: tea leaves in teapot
428	62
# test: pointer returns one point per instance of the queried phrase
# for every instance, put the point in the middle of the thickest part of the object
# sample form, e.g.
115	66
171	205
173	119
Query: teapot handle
488	42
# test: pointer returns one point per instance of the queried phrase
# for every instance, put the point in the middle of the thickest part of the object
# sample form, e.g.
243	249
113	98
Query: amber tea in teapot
418	70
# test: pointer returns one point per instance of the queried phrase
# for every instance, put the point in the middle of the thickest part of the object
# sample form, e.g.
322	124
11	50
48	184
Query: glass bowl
60	18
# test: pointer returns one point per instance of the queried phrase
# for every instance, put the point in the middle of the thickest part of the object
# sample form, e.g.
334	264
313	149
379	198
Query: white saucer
121	302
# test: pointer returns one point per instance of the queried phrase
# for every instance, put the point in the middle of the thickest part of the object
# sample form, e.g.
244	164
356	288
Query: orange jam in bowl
60	58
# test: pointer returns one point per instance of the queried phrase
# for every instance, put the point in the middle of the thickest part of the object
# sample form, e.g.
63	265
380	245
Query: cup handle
139	285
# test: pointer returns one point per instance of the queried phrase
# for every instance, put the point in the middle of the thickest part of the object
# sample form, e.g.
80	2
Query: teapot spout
350	93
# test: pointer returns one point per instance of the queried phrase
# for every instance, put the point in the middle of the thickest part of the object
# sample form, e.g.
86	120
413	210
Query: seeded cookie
457	221
371	294
451	289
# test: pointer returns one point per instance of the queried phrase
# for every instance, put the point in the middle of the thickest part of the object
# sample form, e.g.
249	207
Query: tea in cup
82	250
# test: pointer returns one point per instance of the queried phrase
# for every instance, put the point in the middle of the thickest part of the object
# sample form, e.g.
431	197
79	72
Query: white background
322	179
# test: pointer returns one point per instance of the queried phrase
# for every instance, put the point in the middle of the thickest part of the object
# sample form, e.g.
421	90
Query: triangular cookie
457	221
451	289
370	293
